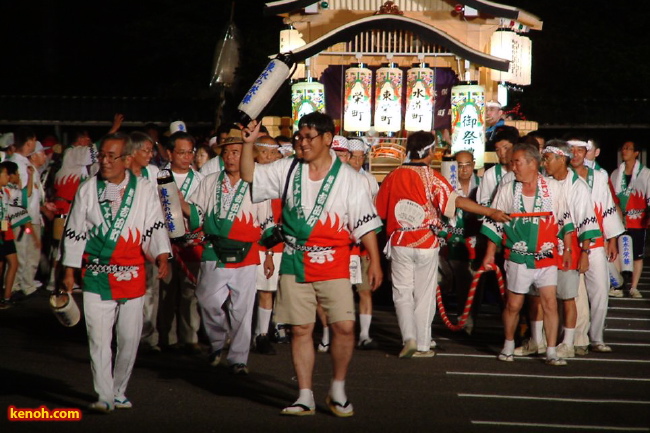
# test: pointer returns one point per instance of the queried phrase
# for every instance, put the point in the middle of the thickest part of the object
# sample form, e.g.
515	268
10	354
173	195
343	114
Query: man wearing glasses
177	298
325	211
115	222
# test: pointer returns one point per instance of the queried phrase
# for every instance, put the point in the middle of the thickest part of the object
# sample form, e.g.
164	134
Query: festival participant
7	247
593	290
530	244
493	120
593	151
556	156
358	153
412	200
204	153
325	210
504	140
631	184
460	232
178	303
267	284
233	226
141	147
114	225
28	236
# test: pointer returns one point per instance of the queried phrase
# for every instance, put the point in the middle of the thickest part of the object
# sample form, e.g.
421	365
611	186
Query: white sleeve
269	179
75	234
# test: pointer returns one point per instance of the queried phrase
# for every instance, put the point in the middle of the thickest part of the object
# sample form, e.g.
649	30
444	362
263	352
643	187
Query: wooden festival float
383	69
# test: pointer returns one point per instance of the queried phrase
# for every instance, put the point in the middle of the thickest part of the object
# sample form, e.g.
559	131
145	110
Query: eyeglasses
109	158
300	138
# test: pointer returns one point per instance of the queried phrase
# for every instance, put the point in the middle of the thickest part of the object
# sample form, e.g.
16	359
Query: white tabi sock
569	335
364	325
337	391
326	336
263	320
536	332
508	347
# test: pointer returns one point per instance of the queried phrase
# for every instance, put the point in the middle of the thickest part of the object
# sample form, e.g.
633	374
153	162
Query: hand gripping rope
470	297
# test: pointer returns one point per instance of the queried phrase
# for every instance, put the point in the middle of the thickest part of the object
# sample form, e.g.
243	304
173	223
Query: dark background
590	61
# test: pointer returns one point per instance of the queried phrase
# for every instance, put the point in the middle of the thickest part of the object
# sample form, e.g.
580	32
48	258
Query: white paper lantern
419	98
516	48
468	121
306	97
526	60
388	98
358	87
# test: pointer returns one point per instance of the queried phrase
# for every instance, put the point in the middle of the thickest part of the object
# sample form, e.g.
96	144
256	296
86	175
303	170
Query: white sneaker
565	351
529	347
634	293
616	293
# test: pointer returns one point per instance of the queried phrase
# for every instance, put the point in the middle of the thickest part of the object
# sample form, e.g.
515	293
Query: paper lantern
306	97
516	48
526	55
358	87
388	98
265	88
419	98
468	121
290	39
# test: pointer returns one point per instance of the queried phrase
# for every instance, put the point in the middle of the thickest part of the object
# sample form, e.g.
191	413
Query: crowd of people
278	231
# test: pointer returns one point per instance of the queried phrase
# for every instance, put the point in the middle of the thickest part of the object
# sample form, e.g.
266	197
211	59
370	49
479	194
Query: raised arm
247	160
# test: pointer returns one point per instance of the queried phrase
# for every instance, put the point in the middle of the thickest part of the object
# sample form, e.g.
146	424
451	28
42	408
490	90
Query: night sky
589	57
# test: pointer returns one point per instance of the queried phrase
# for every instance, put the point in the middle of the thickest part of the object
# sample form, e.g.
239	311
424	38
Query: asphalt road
462	389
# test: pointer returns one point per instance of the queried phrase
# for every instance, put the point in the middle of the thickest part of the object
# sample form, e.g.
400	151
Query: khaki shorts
365	264
296	302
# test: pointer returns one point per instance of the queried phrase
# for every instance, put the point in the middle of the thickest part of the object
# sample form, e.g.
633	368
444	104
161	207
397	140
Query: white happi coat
142	236
490	182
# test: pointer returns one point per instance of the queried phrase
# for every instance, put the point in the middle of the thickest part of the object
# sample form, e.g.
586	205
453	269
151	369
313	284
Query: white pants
150	308
414	274
596	282
111	383
215	287
28	258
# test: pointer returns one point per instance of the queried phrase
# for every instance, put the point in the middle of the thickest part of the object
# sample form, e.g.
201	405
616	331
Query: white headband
273	146
556	150
425	150
580	143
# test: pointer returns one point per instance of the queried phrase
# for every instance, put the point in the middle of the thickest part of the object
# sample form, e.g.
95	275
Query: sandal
338	409
505	357
298	409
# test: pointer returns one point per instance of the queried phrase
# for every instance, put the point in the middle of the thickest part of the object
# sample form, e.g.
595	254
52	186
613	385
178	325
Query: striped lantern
468	121
419	98
306	97
358	88
388	98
